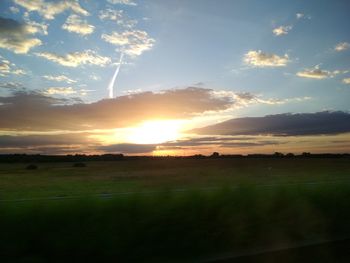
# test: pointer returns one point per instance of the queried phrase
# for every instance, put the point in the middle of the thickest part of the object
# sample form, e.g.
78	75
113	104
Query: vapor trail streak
111	83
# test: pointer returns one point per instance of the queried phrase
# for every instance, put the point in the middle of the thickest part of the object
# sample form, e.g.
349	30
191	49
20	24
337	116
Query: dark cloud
283	125
14	35
13	141
128	148
191	143
8	25
230	141
34	111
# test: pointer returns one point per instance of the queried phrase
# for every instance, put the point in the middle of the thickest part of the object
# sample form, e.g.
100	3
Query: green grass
256	204
168	227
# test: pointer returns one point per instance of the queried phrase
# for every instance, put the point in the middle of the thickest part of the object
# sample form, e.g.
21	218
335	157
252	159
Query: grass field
59	179
176	210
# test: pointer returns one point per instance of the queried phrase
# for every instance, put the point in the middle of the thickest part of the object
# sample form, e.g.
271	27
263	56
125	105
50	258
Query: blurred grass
172	227
254	204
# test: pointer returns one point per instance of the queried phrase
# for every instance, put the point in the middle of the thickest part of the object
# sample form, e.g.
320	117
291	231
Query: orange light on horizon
154	132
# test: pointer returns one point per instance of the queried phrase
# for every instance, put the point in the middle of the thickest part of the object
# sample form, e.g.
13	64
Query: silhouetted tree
306	154
215	155
278	154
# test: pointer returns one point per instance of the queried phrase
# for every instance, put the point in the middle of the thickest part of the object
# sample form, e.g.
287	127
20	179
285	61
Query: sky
174	77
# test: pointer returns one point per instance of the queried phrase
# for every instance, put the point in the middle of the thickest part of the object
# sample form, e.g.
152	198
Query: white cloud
111	14
346	81
117	16
35	27
6	68
299	15
317	73
14	36
132	42
94	77
48	10
262	59
14	9
60	91
75	59
122	2
59	78
342	46
282	30
75	24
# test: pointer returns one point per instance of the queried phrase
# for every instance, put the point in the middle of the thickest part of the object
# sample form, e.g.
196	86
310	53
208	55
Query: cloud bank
283	125
37	112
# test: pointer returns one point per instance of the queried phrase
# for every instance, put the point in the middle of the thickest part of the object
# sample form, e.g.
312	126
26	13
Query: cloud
262	59
59	78
14	9
122	2
128	148
342	46
282	30
320	123
111	14
75	24
75	59
49	10
317	73
131	42
299	15
243	99
14	36
94	77
118	16
33	111
59	91
35	27
218	141
187	143
11	141
346	81
11	85
6	68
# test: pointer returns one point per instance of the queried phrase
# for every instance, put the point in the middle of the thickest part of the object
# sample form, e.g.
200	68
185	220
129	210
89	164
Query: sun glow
154	132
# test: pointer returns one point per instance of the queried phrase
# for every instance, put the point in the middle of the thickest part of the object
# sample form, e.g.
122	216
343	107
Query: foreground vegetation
230	208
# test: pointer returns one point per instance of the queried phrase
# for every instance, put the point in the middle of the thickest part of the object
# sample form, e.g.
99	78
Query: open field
61	179
176	210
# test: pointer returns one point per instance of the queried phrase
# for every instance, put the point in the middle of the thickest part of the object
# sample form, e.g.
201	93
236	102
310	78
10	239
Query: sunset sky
191	76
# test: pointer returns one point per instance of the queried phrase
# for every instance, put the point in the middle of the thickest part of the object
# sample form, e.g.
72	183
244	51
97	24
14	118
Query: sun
154	132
